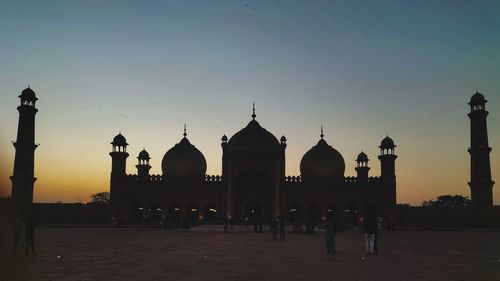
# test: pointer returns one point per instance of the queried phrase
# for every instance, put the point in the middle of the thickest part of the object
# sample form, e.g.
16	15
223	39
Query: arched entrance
332	212
314	213
154	212
253	192
135	212
294	213
253	212
192	212
174	213
210	212
351	214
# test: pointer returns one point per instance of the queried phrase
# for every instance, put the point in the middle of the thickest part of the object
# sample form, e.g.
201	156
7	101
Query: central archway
252	212
253	190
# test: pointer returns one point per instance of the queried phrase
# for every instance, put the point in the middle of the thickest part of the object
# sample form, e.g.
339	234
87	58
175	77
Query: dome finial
322	135
185	134
253	112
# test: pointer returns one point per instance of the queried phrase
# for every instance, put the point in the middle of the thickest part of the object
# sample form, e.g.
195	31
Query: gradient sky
360	68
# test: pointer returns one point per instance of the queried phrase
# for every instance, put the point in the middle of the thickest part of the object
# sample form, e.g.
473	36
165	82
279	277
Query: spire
322	135
185	134
253	110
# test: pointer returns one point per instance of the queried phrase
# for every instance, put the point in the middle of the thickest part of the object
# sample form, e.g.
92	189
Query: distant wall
72	213
426	217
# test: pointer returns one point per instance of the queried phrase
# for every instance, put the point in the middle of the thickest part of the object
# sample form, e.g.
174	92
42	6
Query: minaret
143	166
24	163
480	183
387	160
362	167
388	175
118	174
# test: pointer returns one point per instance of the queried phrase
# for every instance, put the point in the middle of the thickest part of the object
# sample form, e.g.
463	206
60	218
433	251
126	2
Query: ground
208	254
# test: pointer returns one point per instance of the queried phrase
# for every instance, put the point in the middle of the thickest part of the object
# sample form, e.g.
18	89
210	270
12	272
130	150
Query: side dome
28	94
322	161
119	140
253	138
184	159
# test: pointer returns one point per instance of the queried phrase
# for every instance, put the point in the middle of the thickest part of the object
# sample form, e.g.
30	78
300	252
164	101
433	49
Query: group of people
29	236
370	228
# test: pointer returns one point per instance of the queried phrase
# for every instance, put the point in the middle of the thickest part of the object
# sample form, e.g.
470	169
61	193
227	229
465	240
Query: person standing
30	238
370	228
282	229
330	232
18	230
274	228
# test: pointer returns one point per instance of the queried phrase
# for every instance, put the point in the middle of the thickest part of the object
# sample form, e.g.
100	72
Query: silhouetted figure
260	227
282	228
375	243
255	226
18	229
370	228
330	232
225	225
30	238
390	226
274	228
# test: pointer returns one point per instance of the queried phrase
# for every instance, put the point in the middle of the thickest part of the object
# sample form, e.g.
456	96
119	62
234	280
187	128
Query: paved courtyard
209	254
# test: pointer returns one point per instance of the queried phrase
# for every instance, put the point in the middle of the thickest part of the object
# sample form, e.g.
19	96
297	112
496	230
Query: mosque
253	185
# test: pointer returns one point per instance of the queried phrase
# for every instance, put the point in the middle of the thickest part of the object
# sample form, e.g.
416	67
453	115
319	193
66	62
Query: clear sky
360	68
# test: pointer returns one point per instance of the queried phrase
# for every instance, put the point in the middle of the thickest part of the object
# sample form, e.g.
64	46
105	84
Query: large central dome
184	159
253	138
322	161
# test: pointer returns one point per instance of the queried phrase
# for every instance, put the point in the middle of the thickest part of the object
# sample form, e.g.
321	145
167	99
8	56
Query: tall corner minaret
23	178
118	172
388	173
481	185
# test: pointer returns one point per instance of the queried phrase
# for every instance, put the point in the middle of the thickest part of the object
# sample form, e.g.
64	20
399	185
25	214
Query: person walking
330	232
370	228
30	238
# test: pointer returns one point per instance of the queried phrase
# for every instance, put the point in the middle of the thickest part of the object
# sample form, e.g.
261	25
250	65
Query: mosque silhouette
253	186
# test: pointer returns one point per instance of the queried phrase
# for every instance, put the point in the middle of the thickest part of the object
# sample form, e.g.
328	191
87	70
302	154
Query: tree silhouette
448	201
100	198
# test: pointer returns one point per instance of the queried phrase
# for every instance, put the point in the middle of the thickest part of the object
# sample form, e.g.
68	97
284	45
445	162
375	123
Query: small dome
143	155
119	140
322	160
28	94
184	159
253	138
477	99
387	142
362	157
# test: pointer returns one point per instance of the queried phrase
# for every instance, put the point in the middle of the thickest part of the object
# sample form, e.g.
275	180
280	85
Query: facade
253	185
481	185
23	178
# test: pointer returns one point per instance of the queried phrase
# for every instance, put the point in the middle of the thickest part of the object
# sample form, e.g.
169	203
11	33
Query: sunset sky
362	69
